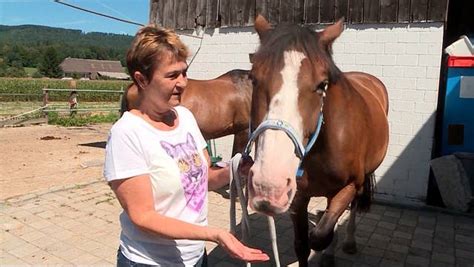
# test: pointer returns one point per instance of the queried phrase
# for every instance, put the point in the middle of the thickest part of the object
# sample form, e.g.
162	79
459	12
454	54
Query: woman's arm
218	177
136	197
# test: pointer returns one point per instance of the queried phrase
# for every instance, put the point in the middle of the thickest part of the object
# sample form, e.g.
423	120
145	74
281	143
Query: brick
386	37
369	259
432	72
425	107
429	61
417	49
401	234
431	97
374	48
401	105
430	37
421	244
409	37
387	225
463	246
435	263
401	241
407	60
398	248
8	259
415	72
393	71
442	257
424	231
373	251
395	256
24	250
377	243
461	253
395	48
365	37
354	48
418	261
386	60
407	83
365	59
464	239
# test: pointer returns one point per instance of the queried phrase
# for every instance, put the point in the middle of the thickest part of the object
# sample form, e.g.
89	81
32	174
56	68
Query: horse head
292	72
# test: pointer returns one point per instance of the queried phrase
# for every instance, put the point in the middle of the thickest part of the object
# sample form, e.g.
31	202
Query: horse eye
322	87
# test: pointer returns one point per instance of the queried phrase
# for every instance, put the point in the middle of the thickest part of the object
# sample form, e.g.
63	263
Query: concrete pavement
79	226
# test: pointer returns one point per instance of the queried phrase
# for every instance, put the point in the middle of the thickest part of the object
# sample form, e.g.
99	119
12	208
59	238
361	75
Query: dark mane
288	36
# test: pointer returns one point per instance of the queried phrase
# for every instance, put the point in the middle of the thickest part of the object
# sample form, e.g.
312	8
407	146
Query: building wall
406	57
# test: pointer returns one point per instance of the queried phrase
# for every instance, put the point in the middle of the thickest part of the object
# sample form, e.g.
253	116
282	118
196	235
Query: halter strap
314	136
276	125
300	150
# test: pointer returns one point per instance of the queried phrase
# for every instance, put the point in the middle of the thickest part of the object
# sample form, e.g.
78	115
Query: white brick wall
405	57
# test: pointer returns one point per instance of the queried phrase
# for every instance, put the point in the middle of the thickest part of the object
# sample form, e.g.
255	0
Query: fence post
45	102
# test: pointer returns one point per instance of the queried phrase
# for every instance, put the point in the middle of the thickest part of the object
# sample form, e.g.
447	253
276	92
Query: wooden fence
47	108
187	14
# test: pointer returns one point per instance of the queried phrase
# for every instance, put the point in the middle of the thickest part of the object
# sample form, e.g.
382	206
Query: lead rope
235	185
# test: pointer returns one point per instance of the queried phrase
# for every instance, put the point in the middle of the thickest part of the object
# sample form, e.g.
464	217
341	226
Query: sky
50	13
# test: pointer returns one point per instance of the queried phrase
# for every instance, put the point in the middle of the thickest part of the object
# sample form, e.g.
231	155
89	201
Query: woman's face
167	83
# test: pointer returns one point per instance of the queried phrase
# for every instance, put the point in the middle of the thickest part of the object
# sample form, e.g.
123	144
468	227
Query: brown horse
221	105
300	93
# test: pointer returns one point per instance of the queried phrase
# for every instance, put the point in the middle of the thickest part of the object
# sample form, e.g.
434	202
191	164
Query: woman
158	166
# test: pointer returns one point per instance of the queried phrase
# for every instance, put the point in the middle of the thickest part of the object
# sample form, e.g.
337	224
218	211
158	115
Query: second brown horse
221	105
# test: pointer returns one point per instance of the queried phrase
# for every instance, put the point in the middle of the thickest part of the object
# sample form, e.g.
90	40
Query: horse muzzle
269	198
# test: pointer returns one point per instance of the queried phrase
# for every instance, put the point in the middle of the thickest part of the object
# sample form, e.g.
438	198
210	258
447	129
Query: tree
49	65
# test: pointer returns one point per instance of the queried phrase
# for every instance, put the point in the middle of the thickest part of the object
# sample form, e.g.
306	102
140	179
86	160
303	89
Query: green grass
81	120
8	109
30	71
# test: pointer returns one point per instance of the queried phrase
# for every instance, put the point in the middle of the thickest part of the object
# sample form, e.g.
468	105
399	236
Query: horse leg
240	141
327	257
322	235
299	216
349	245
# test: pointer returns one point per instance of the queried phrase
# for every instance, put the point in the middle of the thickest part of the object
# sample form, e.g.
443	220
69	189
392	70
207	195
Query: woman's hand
238	250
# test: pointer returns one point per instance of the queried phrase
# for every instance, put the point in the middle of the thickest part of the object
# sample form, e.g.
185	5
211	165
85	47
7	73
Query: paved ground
78	226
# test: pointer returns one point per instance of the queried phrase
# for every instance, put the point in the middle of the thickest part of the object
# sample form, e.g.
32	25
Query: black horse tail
365	199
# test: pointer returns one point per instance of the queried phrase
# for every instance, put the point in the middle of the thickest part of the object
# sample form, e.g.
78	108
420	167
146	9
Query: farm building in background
399	41
93	69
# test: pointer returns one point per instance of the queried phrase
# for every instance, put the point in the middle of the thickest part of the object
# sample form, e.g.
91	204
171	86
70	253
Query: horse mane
299	38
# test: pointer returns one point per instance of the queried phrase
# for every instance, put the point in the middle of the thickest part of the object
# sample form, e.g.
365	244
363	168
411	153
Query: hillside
23	45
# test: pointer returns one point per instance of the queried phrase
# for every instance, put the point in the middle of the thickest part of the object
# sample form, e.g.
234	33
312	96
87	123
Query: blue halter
300	150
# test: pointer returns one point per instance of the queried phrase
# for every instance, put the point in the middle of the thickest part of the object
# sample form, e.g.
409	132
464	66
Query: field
28	89
23	99
30	71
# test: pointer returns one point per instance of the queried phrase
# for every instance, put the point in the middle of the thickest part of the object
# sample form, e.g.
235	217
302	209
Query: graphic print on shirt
192	169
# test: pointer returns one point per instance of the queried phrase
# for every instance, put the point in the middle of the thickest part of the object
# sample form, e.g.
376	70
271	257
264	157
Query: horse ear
328	35
261	25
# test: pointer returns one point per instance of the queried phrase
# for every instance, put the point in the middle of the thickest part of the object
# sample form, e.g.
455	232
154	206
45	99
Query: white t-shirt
178	171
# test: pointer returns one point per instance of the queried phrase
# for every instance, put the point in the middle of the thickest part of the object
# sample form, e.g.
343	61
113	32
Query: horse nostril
288	182
263	206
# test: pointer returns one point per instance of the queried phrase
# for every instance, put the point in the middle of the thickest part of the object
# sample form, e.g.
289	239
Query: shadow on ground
101	144
260	238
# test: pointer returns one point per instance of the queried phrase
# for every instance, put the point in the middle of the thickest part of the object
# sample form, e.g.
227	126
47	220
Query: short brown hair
150	45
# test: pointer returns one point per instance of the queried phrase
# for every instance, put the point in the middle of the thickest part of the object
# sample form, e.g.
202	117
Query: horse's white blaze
276	161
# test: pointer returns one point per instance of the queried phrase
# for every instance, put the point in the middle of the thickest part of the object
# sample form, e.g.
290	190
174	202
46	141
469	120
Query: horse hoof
327	260
318	241
349	247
